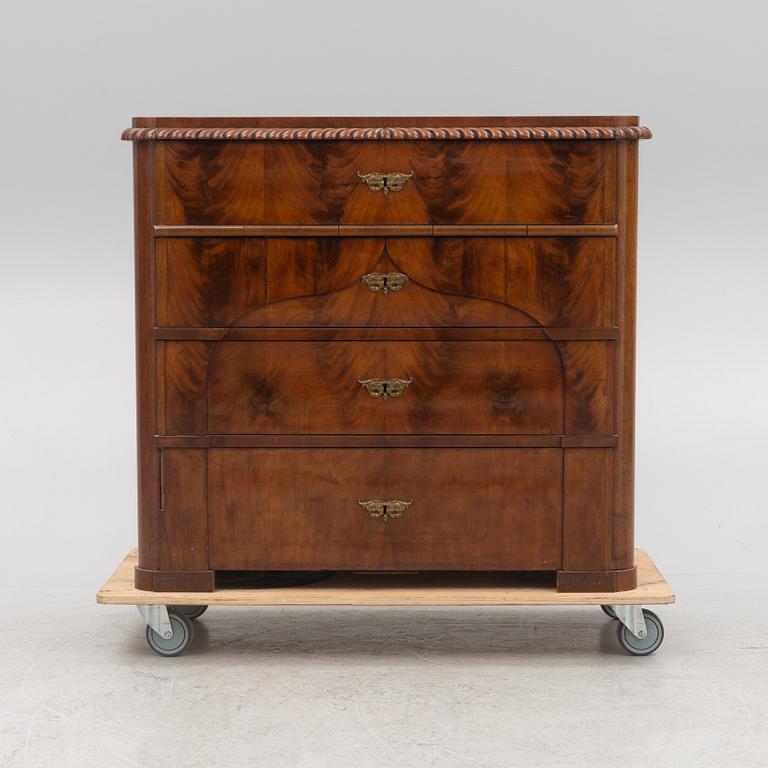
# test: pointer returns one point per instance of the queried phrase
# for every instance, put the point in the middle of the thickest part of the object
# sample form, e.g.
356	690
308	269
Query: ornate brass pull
384	388
389	510
383	282
391	181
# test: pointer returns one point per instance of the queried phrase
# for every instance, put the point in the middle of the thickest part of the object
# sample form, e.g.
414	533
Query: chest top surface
387	128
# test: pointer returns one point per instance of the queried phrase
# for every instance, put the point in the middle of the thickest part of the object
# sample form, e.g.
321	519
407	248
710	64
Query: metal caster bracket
631	616
156	616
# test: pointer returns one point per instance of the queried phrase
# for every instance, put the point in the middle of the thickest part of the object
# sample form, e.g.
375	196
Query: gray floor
442	688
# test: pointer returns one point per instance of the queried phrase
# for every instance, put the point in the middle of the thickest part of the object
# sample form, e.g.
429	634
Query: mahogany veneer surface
483	281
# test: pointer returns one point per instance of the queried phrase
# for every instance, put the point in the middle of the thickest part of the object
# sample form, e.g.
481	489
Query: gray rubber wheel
609	612
181	627
650	643
191	611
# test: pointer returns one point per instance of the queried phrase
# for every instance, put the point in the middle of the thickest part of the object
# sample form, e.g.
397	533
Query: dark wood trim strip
319	230
388	230
531	333
385	441
573	230
204	230
278	230
589	441
582	334
386	133
182	441
479	230
385	230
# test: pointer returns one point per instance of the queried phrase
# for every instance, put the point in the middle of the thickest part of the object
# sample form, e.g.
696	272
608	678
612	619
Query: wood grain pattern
556	282
587	509
183	516
589	387
357	306
313	388
309	386
208	282
250	183
567	282
424	588
182	526
285	509
306	267
210	183
455	265
184	381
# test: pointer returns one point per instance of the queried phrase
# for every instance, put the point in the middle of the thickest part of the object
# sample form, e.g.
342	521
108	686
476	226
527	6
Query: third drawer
386	387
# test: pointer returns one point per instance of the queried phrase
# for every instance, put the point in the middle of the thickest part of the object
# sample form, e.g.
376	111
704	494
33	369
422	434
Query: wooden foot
174	581
597	581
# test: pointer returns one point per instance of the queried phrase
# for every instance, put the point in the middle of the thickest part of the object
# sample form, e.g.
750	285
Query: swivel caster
180	635
609	612
190	611
642	646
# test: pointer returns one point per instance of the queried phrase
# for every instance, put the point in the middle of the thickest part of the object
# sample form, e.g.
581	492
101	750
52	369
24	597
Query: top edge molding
408	133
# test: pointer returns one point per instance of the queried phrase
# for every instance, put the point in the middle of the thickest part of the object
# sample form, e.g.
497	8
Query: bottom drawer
299	509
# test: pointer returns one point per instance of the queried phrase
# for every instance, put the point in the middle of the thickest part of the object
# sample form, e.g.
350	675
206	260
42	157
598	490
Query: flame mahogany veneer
434	311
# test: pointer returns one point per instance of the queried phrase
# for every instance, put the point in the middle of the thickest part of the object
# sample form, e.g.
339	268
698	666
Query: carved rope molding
549	133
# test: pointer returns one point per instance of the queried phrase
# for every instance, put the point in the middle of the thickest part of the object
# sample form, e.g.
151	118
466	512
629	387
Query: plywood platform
397	589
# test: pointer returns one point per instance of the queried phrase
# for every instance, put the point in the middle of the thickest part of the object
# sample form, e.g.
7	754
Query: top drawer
439	182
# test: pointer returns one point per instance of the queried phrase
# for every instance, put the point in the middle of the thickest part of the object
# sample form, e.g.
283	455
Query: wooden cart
169	615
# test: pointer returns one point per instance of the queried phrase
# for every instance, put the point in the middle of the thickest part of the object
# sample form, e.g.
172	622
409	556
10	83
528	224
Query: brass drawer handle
383	282
391	181
384	388
389	510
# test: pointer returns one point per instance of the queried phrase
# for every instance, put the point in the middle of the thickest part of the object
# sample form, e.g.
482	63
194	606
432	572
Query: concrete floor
364	688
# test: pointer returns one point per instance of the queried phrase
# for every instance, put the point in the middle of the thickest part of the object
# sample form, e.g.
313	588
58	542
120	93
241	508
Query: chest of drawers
385	344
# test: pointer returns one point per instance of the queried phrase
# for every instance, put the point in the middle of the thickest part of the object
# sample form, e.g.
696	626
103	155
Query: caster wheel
646	646
181	627
609	612
190	611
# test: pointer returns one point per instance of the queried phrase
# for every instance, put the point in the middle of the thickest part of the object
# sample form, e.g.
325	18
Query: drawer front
494	509
290	282
457	387
393	387
403	182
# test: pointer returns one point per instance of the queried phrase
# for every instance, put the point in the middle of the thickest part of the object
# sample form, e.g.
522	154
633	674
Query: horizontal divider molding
570	230
530	333
204	230
385	441
388	230
479	230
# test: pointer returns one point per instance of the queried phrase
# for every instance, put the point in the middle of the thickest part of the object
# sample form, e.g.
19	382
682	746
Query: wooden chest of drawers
366	346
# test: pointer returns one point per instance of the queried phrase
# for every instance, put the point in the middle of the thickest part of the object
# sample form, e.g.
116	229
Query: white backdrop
73	74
